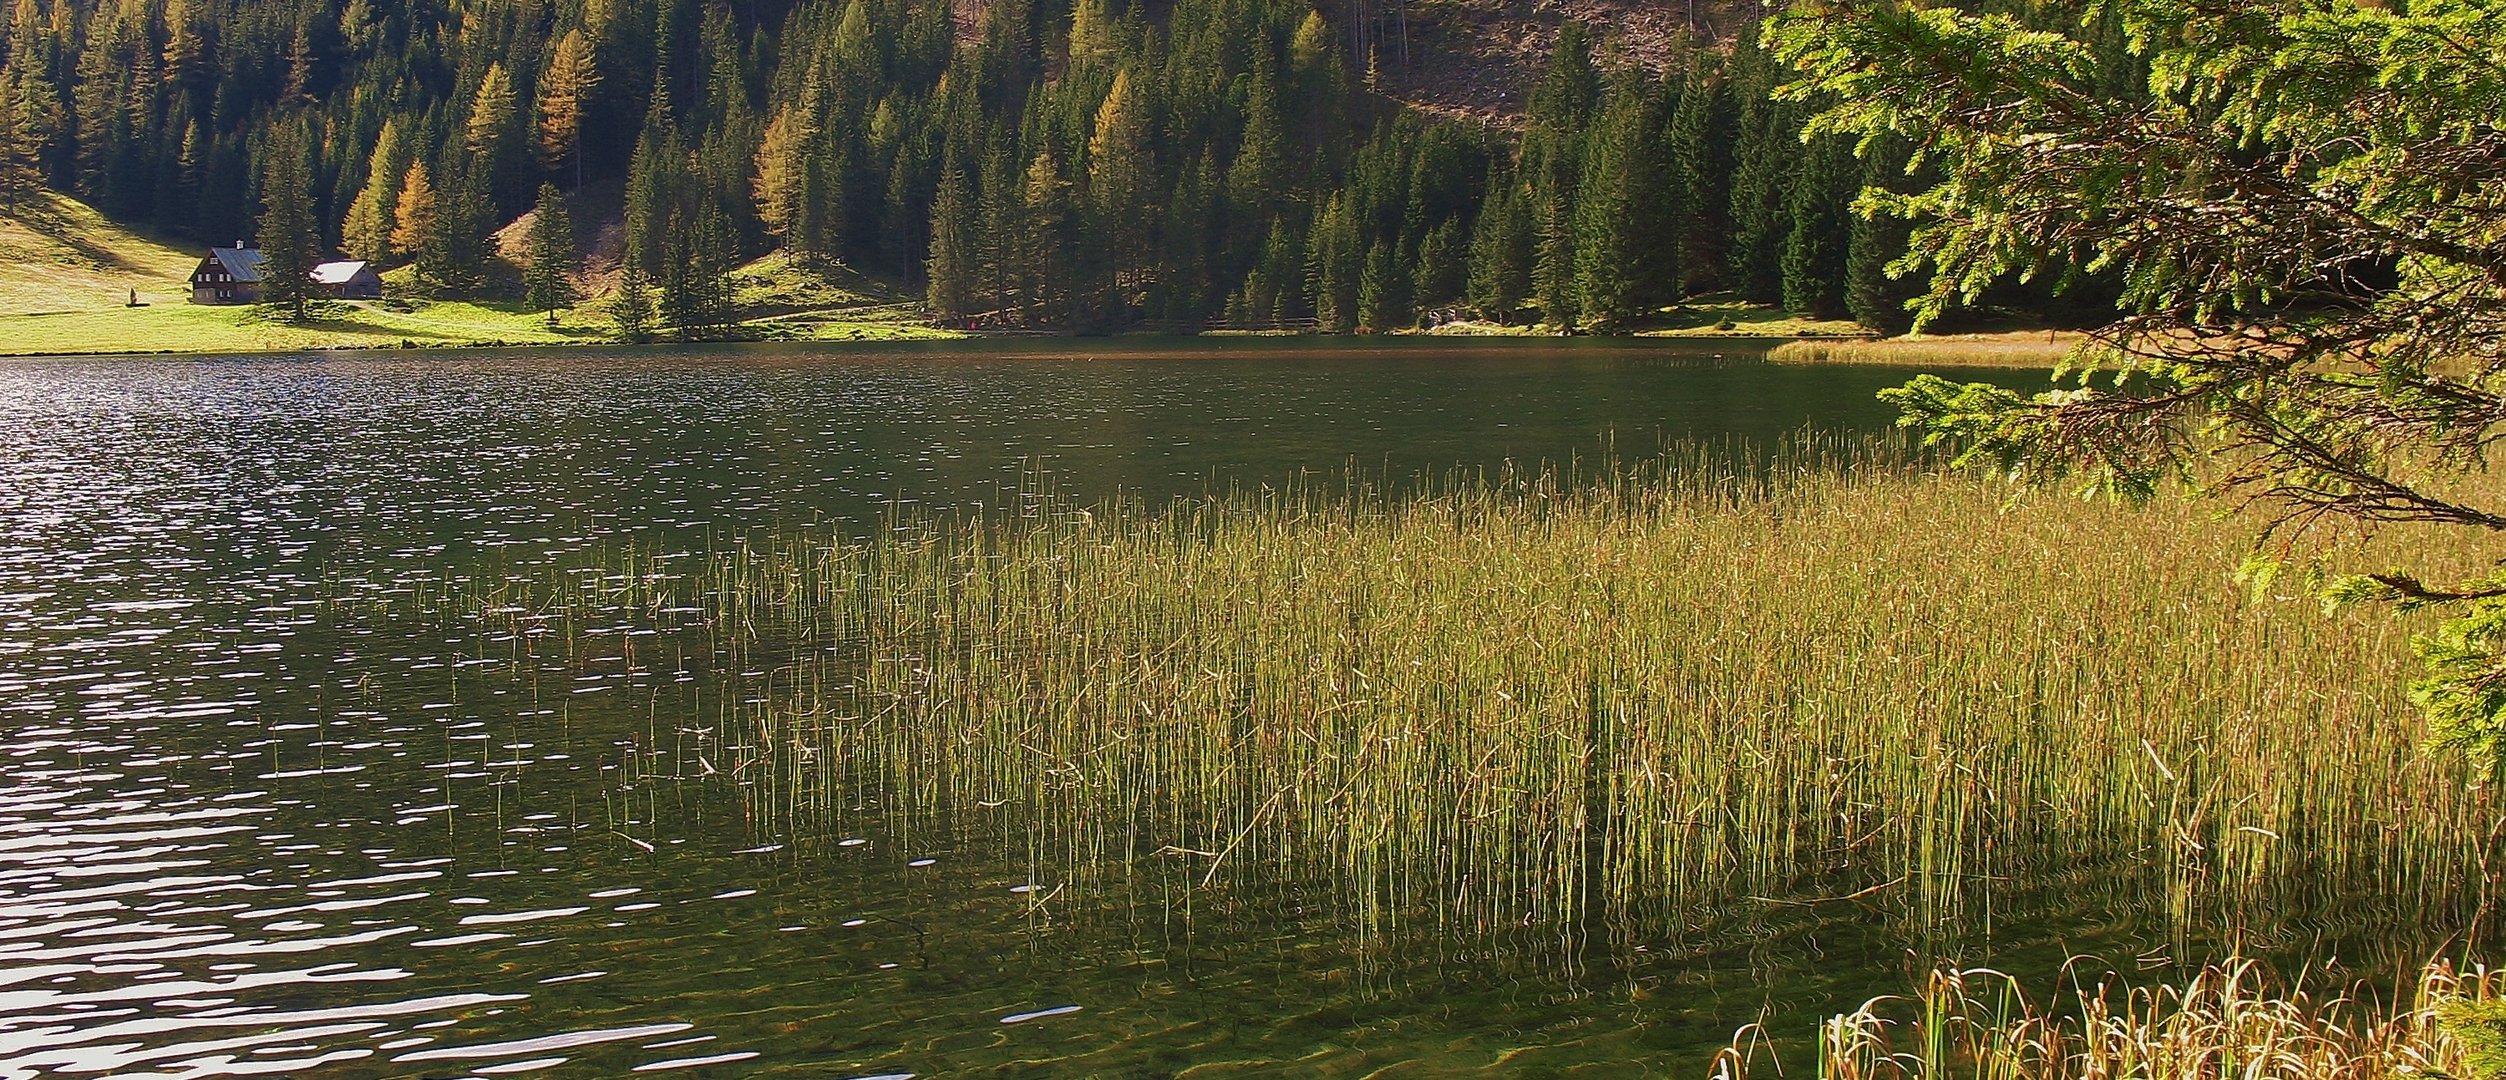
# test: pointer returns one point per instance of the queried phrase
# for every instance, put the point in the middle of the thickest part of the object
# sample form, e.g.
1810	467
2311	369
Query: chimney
239	245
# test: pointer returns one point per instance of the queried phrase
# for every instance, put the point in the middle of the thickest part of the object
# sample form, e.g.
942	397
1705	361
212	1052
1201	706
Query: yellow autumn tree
564	89
413	216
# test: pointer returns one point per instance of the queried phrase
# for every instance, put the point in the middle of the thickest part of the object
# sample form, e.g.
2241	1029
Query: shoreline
2010	349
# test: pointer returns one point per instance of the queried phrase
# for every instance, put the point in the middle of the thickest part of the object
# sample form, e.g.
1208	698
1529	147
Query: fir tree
548	269
631	307
1815	250
18	174
1703	126
1334	262
1766	147
1877	240
950	290
289	239
1501	250
1443	267
1383	292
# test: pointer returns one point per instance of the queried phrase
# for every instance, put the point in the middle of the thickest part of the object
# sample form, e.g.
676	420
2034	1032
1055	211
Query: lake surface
248	831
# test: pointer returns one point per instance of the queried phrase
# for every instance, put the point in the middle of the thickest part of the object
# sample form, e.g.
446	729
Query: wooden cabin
228	276
348	279
233	276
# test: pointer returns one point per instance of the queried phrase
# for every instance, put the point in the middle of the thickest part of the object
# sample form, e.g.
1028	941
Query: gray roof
242	264
338	273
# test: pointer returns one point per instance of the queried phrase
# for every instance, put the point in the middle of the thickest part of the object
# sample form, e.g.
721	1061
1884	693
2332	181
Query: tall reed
1822	677
2231	1020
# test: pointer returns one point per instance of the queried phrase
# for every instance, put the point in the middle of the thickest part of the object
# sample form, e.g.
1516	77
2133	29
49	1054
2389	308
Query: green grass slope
67	276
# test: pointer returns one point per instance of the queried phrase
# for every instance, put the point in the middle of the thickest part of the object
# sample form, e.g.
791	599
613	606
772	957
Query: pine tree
1765	151
289	239
18	174
1501	249
548	270
1443	267
1815	250
1383	292
1873	297
951	273
631	307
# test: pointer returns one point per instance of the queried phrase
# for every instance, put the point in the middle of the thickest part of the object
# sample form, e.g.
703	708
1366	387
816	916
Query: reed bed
2038	349
1822	678
2231	1021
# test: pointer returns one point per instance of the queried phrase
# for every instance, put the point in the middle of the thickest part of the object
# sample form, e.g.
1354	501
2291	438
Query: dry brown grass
2018	349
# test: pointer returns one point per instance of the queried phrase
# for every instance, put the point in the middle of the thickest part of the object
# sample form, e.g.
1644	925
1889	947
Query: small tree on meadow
549	263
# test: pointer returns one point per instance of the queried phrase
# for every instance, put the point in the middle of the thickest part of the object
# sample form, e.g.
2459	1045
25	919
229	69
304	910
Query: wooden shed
349	279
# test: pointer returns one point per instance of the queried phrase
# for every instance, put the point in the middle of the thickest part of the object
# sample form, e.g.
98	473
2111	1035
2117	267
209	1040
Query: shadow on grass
43	215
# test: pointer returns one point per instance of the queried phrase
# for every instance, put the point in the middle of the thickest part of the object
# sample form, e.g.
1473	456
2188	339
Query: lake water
245	831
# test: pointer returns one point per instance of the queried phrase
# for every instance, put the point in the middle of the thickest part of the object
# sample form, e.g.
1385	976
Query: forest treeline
1078	166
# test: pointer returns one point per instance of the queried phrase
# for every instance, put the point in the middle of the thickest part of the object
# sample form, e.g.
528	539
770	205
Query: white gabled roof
337	273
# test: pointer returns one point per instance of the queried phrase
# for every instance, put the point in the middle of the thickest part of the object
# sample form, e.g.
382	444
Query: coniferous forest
1031	165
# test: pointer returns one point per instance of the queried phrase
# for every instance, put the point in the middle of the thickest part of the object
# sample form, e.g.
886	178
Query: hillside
1478	59
63	256
68	285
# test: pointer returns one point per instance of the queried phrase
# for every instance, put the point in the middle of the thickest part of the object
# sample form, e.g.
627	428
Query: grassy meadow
68	284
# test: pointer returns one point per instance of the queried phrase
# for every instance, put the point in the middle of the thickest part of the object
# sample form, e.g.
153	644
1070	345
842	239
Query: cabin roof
242	264
338	273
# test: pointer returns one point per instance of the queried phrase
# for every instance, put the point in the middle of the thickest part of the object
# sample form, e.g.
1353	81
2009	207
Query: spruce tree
1874	298
1501	250
951	286
631	307
1334	262
548	272
1703	127
1383	301
1766	149
290	242
1815	250
18	175
1610	245
1443	268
